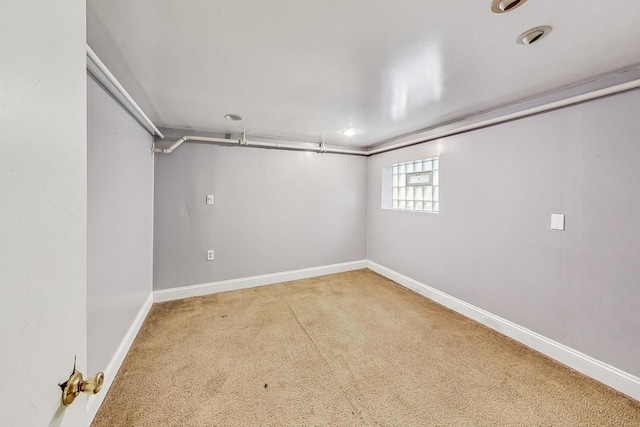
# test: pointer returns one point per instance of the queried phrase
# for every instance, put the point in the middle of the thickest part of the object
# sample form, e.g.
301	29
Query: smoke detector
503	6
533	35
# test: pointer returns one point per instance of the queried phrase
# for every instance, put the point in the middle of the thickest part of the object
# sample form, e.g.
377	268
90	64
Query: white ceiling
307	69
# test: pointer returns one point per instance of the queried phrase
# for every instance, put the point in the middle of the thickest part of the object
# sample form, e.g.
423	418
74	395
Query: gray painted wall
491	244
274	211
120	224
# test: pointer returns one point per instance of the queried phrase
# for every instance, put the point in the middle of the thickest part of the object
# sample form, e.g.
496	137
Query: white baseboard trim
95	400
600	371
254	281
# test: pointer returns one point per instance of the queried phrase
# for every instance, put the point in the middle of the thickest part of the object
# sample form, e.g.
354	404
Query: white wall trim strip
95	400
254	281
600	371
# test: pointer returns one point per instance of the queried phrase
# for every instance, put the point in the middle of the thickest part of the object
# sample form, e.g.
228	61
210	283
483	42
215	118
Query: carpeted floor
348	349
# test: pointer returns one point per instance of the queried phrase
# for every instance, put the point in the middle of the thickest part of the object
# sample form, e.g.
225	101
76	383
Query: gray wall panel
274	211
491	244
120	224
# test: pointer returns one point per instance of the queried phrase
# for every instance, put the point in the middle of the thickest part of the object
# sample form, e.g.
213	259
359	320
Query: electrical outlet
209	199
210	255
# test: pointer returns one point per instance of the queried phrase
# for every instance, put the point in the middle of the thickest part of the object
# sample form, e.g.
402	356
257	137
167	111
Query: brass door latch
75	384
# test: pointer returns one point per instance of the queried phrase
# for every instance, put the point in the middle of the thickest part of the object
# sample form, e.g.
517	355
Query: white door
43	205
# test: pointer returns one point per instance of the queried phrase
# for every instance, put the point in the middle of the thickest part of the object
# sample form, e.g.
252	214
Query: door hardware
75	384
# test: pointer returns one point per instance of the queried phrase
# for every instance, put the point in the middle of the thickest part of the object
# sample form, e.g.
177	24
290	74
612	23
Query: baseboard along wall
95	400
587	365
254	281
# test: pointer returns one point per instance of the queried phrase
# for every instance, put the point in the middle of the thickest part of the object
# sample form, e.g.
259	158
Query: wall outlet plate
210	255
557	222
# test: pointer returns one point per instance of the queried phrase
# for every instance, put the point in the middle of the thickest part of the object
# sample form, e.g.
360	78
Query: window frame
400	194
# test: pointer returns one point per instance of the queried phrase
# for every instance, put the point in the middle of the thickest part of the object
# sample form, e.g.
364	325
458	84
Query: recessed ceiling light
350	132
533	35
502	6
234	117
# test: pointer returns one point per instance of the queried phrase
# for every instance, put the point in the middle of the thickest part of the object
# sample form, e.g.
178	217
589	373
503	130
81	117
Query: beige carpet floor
350	349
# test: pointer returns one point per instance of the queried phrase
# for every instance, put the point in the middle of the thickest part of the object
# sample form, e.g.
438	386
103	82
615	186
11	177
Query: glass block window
415	186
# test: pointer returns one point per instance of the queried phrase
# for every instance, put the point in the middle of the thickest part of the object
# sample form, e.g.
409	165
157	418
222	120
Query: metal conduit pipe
262	144
123	92
634	84
277	145
186	138
321	148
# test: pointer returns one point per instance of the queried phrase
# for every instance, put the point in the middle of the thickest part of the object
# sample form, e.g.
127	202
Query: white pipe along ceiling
334	80
321	148
434	133
102	73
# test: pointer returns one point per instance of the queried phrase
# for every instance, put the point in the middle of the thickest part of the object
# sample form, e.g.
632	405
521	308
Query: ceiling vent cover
533	35
502	6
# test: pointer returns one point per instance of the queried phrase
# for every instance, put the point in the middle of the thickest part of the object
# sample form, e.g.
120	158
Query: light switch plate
210	255
209	199
557	222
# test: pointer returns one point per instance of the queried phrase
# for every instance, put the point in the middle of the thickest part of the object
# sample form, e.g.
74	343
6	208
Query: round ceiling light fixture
503	6
350	132
234	117
533	35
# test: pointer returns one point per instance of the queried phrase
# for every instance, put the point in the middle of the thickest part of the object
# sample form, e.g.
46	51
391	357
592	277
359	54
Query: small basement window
414	186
